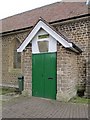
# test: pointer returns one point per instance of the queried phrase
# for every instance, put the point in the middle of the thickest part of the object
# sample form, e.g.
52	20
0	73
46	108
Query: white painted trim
87	2
50	31
52	43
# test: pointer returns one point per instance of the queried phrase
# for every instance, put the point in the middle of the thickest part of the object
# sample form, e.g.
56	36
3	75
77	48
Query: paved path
26	107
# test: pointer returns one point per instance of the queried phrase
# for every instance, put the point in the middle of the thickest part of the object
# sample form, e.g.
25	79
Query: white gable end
47	29
52	43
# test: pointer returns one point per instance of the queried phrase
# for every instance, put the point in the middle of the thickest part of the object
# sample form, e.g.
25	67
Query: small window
17	59
16	56
43	46
43	36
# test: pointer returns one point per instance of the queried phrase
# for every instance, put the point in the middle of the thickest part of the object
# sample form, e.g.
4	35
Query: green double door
44	75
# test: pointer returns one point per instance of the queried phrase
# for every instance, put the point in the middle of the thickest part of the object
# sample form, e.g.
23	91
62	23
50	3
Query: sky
12	7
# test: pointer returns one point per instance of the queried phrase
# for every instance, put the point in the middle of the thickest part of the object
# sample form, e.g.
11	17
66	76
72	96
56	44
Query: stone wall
9	74
27	60
87	92
0	60
77	32
67	74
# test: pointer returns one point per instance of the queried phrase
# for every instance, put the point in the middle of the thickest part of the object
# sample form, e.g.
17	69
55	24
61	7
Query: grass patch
6	90
80	100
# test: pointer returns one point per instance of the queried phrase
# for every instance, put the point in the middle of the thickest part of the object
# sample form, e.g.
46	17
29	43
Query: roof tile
53	12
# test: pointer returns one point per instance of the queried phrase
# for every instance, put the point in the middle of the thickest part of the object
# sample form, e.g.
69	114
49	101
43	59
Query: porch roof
50	30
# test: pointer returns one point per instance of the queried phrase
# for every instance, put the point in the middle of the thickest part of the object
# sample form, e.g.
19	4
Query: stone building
50	47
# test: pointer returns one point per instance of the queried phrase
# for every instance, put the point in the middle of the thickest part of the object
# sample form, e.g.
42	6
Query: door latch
50	78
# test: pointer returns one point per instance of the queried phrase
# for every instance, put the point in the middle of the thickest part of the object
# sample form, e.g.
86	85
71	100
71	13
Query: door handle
50	78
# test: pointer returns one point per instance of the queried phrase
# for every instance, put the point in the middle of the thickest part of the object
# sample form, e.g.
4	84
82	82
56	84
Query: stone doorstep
8	85
8	96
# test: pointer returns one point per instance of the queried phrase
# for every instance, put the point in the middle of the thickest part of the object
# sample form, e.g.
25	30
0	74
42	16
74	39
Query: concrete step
8	96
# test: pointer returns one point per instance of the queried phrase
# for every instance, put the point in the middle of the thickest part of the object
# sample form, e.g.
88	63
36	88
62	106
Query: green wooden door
44	75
